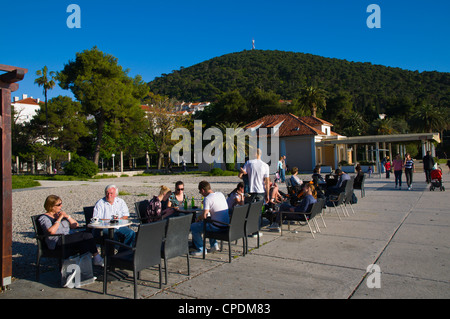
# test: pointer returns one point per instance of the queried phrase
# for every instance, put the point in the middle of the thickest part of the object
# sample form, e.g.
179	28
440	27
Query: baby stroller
436	180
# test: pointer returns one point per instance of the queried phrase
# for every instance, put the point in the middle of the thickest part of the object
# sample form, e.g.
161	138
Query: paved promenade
406	234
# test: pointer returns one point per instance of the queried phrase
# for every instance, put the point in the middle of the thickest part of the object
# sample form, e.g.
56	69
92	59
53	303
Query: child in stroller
436	180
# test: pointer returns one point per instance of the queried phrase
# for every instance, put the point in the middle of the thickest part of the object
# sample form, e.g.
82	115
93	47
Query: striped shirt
409	164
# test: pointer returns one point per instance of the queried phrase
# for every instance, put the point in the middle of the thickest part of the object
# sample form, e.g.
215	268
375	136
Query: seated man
340	185
304	206
216	206
111	205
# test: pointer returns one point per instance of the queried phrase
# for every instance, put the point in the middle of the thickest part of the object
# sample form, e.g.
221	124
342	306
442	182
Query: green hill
286	73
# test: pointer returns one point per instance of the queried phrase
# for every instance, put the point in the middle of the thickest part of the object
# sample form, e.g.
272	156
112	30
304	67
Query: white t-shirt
105	210
256	170
218	207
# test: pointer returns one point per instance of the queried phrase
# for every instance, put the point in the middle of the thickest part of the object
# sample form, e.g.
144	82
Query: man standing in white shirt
216	206
258	176
111	205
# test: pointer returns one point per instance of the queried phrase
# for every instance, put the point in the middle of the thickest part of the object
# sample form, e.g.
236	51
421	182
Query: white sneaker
98	261
213	249
198	253
275	227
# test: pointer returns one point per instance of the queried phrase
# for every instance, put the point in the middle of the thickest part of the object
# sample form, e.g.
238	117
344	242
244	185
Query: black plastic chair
42	249
145	253
176	242
253	221
88	214
141	208
308	217
349	194
339	201
233	231
361	186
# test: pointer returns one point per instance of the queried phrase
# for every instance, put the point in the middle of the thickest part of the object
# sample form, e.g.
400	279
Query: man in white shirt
258	176
111	205
216	206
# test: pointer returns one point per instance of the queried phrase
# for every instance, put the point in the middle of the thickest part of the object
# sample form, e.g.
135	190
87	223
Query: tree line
106	116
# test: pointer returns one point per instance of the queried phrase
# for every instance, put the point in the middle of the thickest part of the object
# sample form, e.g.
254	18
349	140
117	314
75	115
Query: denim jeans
197	230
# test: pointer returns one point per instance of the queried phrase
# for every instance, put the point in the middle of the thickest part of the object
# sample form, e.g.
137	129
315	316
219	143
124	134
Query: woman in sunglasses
55	221
177	199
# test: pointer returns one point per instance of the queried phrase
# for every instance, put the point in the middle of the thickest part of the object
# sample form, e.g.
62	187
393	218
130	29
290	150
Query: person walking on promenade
428	164
409	170
397	163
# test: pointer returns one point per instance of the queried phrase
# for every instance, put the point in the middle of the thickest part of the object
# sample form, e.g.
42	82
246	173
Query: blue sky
155	37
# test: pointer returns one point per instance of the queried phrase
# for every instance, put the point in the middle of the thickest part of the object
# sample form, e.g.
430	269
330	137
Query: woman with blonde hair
155	211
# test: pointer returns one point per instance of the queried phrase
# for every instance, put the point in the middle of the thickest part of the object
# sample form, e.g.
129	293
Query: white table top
106	224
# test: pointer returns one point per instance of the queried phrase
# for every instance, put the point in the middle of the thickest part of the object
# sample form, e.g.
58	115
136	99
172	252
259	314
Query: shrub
81	167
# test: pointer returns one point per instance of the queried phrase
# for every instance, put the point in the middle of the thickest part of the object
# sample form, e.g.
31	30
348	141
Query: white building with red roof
25	108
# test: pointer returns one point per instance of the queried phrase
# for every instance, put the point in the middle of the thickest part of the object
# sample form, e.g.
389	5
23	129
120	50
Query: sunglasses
58	204
180	189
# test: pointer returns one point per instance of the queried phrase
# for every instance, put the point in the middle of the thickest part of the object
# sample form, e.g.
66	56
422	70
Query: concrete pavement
404	233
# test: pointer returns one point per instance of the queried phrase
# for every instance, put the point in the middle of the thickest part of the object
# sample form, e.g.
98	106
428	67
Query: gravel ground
76	195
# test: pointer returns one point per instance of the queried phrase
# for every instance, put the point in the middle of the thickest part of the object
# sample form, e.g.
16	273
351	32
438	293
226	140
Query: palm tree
46	80
313	98
428	118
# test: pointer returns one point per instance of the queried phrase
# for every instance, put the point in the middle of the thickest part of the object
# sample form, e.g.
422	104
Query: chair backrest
254	217
149	239
341	199
141	208
317	207
237	223
42	245
176	240
88	213
349	189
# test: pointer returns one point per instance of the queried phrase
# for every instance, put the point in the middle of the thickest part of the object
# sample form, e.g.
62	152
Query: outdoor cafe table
106	224
195	211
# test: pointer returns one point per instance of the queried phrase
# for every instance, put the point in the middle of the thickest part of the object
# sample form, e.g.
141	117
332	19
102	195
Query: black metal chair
42	249
141	208
253	221
233	231
145	253
176	241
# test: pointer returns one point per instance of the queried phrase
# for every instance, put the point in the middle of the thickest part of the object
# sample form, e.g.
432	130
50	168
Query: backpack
154	210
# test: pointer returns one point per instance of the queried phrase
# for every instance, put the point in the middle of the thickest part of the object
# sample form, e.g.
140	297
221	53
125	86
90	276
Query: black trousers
80	242
428	175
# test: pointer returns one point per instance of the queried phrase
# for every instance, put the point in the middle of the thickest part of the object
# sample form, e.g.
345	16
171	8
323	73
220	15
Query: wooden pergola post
7	85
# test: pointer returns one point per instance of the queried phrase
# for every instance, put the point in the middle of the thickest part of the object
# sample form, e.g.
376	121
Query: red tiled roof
27	101
291	125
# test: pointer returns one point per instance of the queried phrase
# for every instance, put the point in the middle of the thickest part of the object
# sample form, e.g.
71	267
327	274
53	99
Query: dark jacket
428	162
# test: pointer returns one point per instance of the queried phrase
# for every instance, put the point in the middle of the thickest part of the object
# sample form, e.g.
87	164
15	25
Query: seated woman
304	206
55	221
236	197
155	209
358	178
295	180
275	196
177	199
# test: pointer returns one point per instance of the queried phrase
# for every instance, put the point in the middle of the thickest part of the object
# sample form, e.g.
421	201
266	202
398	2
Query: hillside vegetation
354	93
